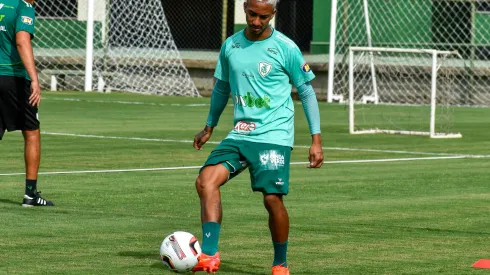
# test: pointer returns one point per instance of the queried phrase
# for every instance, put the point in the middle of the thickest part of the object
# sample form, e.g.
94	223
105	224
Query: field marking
127	102
295	146
197	167
134	102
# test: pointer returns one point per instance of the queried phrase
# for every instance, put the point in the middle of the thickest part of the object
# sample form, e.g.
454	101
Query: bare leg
278	217
32	152
207	186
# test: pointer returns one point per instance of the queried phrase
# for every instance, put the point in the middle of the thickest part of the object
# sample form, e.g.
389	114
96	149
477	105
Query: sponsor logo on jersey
245	128
305	68
249	100
271	159
264	68
272	50
27	20
244	74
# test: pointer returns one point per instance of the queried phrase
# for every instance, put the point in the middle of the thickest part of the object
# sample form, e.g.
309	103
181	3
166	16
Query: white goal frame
374	98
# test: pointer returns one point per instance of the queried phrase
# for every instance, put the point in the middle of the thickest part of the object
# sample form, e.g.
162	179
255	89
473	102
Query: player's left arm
24	32
300	75
310	106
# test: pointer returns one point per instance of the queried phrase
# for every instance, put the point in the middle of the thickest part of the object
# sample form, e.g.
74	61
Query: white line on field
133	102
197	167
126	102
295	146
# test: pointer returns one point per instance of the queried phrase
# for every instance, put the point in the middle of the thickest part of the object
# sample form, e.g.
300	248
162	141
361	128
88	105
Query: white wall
99	13
100	10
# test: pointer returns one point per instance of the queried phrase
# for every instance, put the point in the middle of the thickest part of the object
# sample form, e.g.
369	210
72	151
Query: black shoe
35	200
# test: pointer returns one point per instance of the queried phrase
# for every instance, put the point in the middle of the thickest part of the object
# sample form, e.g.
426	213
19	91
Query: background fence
197	29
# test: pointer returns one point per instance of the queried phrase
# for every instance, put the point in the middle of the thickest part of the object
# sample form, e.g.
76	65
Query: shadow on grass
225	265
10	202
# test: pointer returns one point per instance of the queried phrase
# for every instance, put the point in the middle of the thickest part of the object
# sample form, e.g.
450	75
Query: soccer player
20	93
257	66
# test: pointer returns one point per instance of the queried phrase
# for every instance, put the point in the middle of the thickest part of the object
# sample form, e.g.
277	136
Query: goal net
444	25
132	49
402	91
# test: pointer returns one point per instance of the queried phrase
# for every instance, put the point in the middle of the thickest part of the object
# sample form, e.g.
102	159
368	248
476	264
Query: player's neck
256	37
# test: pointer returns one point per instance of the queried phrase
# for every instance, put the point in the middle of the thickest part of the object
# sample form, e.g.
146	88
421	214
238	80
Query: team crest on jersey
264	68
305	67
27	20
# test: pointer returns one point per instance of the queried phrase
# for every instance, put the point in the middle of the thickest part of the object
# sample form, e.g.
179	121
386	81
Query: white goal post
444	25
416	90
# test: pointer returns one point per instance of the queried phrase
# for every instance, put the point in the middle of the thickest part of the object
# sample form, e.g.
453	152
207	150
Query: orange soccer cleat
208	263
280	270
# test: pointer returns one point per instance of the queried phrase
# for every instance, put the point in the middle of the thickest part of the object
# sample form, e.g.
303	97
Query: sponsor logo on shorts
27	20
279	182
271	159
245	128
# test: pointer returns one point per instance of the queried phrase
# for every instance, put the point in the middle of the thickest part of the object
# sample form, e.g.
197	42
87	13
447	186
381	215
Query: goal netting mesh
445	25
402	91
133	50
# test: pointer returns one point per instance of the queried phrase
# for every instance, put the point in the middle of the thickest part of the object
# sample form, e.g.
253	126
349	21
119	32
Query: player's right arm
24	31
219	99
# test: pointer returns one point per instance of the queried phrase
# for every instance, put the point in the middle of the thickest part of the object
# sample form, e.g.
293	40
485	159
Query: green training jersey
261	75
15	16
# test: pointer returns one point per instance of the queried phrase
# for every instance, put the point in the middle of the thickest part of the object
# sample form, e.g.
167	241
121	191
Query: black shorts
15	111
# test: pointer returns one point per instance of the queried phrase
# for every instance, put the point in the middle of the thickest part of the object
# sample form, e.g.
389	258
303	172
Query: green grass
427	216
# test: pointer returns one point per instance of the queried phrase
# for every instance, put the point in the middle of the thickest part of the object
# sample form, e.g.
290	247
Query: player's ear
245	6
273	13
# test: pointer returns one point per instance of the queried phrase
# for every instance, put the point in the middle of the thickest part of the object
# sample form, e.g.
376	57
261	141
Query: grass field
121	169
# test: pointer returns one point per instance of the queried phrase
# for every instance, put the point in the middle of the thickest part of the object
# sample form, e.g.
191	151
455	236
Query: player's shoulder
232	42
236	38
283	41
24	4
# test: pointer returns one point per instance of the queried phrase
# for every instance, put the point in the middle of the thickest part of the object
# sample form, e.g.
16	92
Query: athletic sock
210	232
31	187
280	251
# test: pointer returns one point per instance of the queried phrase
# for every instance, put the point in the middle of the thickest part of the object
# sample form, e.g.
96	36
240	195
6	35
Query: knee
211	178
273	202
204	184
31	135
200	184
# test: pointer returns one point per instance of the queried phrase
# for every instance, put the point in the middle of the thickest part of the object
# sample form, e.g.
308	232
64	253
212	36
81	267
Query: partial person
20	93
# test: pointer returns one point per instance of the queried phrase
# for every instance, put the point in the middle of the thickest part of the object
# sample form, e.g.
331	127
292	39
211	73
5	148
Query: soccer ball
179	251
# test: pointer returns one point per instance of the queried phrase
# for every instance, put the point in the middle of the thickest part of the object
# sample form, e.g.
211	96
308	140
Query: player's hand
316	153
35	98
202	137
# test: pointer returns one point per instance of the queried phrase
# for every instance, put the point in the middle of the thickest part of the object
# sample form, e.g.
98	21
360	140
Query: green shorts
268	163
